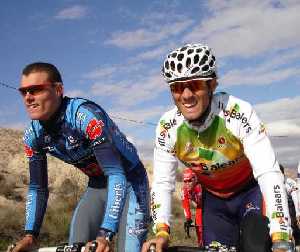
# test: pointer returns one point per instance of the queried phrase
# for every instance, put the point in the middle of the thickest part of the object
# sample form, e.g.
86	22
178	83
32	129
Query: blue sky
112	52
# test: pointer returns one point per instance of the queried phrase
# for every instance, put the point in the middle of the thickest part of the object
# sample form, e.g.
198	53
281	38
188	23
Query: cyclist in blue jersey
223	141
80	132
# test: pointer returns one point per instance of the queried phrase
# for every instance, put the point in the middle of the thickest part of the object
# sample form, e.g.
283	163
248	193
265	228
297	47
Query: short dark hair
51	70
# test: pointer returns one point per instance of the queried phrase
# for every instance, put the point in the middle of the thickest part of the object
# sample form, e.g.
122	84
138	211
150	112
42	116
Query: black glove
188	223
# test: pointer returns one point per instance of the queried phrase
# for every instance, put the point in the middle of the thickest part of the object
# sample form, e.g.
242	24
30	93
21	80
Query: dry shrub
55	228
8	189
60	209
11	224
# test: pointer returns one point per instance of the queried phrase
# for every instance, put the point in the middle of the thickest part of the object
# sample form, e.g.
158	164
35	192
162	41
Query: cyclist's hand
102	245
27	243
160	242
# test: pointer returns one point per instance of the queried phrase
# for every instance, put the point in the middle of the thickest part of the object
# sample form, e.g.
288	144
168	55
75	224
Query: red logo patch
94	129
221	140
92	169
28	151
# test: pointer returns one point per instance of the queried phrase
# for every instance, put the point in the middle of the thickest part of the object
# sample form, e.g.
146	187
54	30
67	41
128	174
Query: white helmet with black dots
192	61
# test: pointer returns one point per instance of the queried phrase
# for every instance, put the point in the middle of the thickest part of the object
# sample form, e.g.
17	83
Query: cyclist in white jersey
222	139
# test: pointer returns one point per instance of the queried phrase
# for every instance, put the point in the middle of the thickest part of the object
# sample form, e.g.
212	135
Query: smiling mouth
189	105
32	106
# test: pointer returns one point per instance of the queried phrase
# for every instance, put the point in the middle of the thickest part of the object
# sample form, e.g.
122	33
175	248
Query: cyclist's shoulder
32	130
171	118
77	101
234	110
227	101
74	104
81	110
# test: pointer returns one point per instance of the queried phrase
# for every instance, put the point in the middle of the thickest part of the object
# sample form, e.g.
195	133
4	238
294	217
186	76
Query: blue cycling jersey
81	134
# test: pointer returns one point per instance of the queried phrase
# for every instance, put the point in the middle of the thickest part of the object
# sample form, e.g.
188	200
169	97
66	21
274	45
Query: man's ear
59	89
213	84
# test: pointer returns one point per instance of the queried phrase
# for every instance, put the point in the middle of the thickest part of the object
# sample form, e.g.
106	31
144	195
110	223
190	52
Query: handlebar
211	248
76	247
177	249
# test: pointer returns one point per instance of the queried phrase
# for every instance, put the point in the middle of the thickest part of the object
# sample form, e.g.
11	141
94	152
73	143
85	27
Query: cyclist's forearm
274	193
110	161
37	196
116	197
36	205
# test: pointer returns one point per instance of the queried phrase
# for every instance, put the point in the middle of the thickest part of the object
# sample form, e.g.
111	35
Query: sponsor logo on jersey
204	168
262	129
81	117
164	127
162	135
189	147
98	141
250	207
94	129
168	125
221	140
73	143
28	151
116	206
154	207
29	201
140	226
234	113
49	148
72	140
279	214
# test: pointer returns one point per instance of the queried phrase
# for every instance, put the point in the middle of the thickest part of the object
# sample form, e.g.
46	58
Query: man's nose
28	96
187	92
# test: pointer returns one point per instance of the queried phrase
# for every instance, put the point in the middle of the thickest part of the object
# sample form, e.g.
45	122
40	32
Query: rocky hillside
14	171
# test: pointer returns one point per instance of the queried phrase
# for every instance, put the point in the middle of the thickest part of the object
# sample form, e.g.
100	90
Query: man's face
192	97
190	183
41	97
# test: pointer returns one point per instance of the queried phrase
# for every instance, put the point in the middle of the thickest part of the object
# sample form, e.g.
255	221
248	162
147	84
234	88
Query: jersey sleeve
164	174
37	195
259	151
94	126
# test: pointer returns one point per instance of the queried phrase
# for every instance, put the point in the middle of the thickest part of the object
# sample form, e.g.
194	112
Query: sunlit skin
192	104
43	105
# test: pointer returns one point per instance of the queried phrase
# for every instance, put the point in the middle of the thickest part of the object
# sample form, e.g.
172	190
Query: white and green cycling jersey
227	151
